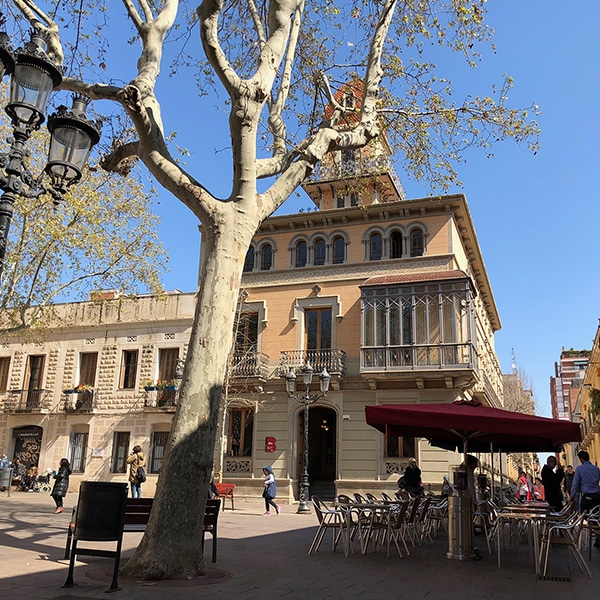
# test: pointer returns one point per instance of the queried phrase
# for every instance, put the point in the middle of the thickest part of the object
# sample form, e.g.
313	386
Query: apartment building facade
390	296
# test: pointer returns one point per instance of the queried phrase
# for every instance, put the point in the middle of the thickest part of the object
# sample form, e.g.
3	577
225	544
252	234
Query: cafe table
532	520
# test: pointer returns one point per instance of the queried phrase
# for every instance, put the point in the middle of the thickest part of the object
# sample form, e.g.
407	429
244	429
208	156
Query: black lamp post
33	76
307	399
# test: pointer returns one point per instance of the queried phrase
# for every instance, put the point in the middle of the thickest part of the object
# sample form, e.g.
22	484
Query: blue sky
536	216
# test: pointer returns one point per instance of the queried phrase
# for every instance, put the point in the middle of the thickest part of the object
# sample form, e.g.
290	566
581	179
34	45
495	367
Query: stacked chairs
386	498
329	519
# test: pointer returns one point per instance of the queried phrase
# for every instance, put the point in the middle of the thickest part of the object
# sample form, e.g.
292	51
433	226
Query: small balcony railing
79	400
250	365
332	359
165	397
418	357
26	400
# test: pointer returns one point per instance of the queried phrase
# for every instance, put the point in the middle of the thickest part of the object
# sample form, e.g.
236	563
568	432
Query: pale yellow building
389	295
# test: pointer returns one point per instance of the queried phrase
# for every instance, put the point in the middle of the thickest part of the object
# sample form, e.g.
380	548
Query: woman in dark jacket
412	478
61	485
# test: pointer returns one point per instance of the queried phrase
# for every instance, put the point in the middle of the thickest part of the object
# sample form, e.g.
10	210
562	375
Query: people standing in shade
539	494
552	477
135	460
568	482
412	478
446	487
586	482
471	463
61	484
270	491
524	491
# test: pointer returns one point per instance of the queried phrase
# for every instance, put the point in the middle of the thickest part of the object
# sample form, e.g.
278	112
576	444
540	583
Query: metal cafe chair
329	519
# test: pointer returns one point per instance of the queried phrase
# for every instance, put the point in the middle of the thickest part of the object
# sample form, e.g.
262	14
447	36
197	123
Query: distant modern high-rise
568	377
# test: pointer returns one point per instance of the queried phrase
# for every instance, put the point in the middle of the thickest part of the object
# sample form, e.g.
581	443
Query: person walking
136	460
270	491
61	485
552	477
586	482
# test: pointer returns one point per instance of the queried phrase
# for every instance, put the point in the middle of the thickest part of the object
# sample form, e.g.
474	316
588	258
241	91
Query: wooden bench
137	514
226	491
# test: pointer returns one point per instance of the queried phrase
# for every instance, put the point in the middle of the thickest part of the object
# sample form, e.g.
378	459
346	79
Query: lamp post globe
73	136
31	82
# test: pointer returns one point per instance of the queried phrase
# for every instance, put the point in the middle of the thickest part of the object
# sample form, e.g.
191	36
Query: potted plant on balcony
150	385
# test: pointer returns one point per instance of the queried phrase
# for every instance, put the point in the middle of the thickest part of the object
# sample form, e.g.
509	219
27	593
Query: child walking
270	491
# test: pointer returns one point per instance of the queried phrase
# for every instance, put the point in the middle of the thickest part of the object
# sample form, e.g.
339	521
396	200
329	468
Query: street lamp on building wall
307	399
33	76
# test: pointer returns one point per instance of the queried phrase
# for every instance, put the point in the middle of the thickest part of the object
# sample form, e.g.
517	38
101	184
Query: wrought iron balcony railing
26	400
418	357
370	165
166	397
332	359
79	400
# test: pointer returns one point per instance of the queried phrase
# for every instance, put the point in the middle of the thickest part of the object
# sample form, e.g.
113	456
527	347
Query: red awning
450	425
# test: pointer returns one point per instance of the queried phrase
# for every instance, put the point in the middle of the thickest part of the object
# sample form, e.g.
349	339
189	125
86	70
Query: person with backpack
137	475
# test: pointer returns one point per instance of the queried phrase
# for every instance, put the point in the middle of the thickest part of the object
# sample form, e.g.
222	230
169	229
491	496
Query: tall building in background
568	377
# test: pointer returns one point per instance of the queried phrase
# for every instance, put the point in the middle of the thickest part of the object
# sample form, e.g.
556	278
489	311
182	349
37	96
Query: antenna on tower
514	361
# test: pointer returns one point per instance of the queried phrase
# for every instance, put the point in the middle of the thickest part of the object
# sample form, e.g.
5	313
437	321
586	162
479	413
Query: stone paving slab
266	557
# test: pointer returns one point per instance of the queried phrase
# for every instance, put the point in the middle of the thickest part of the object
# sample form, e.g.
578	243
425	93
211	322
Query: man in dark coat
552	479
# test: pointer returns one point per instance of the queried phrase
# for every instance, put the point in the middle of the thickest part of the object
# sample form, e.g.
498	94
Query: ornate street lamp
307	399
33	76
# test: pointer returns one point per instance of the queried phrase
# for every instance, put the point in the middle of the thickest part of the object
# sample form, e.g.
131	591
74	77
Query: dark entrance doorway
322	458
28	442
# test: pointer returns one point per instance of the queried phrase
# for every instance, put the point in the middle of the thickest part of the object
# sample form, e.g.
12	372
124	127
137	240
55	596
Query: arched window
339	250
319	252
266	257
416	242
301	254
375	246
249	262
396	245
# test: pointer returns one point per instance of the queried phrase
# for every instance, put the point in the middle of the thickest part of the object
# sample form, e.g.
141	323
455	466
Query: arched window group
394	242
260	257
319	250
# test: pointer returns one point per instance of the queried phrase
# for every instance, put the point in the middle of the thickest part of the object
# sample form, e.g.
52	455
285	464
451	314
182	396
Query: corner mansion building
389	295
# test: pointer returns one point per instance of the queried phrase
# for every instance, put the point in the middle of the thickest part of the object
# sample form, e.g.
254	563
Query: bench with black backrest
226	491
137	513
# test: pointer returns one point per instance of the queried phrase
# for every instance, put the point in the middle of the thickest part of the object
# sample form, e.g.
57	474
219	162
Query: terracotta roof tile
415	277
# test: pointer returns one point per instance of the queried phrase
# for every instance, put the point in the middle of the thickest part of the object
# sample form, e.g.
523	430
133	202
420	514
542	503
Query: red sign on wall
270	444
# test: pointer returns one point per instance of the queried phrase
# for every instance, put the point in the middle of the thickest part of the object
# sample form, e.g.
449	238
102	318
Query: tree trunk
170	547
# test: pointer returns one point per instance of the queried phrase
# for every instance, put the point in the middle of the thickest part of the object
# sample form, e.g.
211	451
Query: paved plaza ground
266	558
